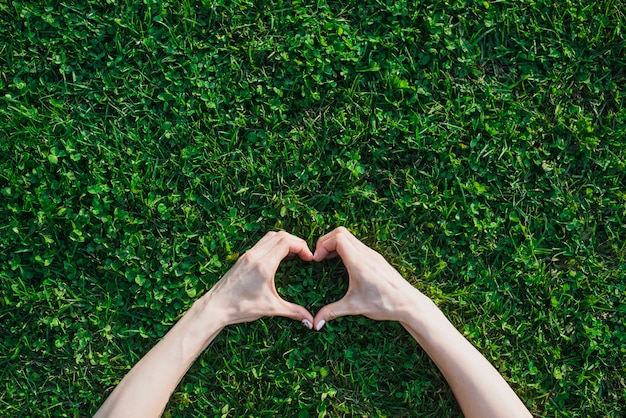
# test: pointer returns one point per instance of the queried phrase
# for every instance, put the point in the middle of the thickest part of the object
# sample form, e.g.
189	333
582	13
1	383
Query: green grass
479	146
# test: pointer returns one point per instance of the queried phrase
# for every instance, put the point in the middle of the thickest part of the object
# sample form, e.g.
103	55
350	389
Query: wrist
193	332
420	314
207	312
429	326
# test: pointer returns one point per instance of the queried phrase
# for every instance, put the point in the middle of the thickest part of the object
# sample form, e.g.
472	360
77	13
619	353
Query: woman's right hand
376	290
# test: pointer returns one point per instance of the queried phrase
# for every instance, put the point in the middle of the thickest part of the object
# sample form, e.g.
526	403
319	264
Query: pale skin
376	290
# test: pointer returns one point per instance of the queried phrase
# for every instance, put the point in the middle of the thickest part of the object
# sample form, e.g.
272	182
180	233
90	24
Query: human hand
247	291
376	290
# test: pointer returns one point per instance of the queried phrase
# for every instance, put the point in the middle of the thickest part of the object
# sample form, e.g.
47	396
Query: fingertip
320	325
319	318
307	255
318	255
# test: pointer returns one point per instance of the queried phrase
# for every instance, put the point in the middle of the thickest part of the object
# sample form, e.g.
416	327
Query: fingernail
320	325
307	323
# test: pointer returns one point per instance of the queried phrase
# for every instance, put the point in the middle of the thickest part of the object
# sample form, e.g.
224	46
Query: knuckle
342	230
281	237
247	257
330	315
260	269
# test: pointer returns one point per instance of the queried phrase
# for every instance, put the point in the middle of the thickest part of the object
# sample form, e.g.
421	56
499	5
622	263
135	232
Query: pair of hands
376	290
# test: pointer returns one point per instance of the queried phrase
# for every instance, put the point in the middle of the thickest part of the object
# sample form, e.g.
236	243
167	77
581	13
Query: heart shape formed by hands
375	290
247	292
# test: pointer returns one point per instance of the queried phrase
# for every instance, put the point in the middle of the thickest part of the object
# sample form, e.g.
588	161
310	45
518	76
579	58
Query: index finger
282	244
339	241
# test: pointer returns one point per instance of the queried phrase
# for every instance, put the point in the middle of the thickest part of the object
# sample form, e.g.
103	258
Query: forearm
145	390
477	385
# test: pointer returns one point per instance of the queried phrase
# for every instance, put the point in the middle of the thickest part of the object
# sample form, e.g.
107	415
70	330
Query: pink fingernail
320	325
307	323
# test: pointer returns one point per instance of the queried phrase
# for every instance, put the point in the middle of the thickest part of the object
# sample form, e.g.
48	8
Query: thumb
332	311
295	311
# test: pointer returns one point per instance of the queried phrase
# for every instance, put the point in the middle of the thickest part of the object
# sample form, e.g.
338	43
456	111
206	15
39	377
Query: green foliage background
479	146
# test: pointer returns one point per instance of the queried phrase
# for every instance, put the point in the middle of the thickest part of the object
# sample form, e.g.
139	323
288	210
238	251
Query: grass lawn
480	146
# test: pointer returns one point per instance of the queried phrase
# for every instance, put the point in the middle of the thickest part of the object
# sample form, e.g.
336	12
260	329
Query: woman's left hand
247	291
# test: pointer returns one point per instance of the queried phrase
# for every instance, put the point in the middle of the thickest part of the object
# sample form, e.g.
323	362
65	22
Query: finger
294	311
286	245
340	241
306	255
322	251
318	256
275	246
261	247
326	246
332	311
